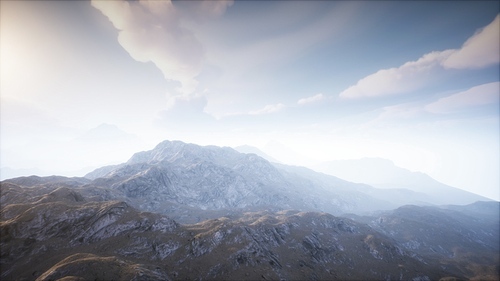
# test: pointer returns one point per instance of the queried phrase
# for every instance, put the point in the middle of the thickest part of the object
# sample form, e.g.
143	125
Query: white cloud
406	78
479	95
480	50
152	31
400	111
203	10
313	99
270	108
475	96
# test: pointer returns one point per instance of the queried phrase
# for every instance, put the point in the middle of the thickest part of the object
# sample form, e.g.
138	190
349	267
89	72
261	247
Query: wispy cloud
312	99
270	108
398	80
480	50
475	96
287	42
418	114
400	111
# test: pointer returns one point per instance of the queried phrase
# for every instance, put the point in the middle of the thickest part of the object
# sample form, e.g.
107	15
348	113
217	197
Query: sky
88	83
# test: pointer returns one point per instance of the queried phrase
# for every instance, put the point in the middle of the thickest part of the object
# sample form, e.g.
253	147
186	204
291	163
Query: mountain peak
177	150
254	150
107	132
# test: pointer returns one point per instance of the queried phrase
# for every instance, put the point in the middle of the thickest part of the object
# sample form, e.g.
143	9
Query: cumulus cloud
152	31
270	108
313	99
480	50
475	96
203	10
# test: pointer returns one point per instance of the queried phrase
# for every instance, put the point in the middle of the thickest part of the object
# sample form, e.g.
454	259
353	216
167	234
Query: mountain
286	155
106	132
54	227
247	149
8	173
211	178
183	211
383	173
54	236
449	235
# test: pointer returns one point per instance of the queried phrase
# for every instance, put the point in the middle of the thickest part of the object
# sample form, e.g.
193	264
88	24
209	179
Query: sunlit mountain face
323	140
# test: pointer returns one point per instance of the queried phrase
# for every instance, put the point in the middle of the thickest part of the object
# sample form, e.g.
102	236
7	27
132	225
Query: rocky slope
68	236
212	178
463	239
215	179
49	231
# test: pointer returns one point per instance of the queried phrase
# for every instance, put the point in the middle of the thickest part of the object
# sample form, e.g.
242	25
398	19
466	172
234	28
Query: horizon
416	83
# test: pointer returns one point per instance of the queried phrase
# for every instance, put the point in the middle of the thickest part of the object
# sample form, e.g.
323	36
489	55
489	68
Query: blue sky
413	82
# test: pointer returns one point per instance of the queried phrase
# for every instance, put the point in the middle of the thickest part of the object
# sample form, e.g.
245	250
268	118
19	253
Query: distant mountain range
183	211
397	184
247	149
91	147
383	173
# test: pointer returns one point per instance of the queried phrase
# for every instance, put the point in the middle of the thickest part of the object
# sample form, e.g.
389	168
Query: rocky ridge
214	178
62	237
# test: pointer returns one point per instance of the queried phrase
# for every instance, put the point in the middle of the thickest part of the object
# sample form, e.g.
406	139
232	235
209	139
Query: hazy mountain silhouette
383	173
252	149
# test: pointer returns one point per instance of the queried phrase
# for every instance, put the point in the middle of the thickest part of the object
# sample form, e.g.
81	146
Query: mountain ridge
287	245
383	173
243	180
111	238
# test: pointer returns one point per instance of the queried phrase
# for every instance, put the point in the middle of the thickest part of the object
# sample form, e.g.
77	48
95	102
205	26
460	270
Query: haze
86	84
